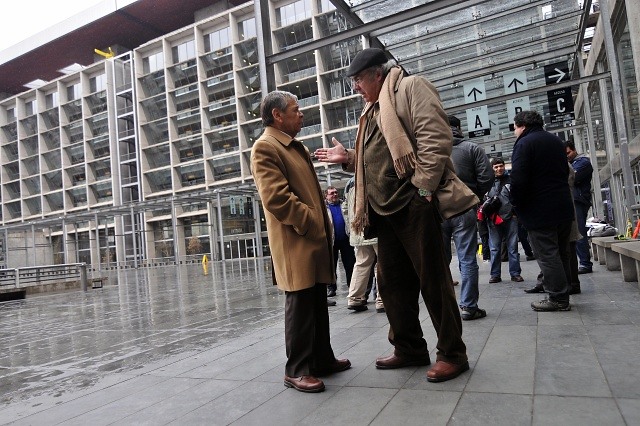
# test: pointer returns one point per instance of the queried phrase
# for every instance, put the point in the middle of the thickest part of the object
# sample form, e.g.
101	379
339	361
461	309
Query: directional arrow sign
474	91
556	73
515	81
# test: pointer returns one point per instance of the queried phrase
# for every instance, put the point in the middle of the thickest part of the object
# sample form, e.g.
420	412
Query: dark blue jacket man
542	199
582	201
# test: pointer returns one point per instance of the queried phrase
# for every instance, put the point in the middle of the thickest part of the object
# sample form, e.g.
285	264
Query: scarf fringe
405	165
359	223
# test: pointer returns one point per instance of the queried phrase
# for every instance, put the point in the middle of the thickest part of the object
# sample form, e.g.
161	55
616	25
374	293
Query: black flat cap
366	58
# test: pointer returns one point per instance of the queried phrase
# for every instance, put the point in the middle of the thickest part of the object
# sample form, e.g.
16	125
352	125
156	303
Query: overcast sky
23	18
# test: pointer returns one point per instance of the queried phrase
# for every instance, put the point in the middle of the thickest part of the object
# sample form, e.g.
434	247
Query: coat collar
278	135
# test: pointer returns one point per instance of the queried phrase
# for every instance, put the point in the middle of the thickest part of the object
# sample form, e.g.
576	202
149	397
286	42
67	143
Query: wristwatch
424	192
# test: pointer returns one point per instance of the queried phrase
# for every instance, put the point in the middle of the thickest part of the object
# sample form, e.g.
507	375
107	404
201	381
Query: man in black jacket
542	199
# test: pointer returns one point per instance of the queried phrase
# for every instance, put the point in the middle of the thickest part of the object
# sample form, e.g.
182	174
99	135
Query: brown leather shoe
443	371
393	361
337	366
304	383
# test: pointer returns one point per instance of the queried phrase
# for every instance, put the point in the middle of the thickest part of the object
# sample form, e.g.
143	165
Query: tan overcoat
294	208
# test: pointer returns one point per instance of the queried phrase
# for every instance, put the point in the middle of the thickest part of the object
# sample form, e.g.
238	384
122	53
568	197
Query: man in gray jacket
474	169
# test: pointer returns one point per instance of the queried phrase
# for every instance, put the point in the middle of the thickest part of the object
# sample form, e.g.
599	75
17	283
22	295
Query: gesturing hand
337	154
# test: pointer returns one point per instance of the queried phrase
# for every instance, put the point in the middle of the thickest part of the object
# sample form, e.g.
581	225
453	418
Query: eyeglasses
332	193
357	80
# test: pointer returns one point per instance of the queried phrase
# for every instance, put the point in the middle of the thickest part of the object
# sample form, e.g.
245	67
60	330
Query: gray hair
384	68
276	99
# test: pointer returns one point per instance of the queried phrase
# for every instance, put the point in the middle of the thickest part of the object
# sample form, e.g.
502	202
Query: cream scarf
402	151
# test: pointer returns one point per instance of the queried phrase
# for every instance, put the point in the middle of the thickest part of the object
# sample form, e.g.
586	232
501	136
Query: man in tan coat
299	238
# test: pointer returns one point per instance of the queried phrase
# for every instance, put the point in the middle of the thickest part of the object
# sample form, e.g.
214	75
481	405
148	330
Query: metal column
174	227
98	241
133	238
597	193
258	226
612	59
220	231
65	258
33	244
610	150
263	31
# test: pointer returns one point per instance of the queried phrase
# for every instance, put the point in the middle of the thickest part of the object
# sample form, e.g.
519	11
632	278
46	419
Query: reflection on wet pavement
57	342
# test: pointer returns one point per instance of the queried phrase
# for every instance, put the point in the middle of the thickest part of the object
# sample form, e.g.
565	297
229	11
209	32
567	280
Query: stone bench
629	255
605	254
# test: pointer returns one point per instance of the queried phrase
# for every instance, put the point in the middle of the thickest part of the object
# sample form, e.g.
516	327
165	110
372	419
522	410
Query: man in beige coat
299	238
404	185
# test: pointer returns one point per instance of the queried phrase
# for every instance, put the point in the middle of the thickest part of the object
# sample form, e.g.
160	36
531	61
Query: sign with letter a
478	117
478	122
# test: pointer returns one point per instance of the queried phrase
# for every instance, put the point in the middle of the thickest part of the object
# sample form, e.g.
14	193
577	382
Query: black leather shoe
536	289
331	302
575	290
584	271
357	308
393	361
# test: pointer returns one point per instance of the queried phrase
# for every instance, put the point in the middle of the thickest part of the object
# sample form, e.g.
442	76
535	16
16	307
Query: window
247	29
294	12
153	63
73	92
51	100
217	40
30	107
98	83
184	51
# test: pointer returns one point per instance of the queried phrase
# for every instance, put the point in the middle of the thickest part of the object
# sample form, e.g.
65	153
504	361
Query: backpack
601	230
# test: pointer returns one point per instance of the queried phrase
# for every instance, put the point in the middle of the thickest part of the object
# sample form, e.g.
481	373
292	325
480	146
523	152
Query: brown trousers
306	331
411	261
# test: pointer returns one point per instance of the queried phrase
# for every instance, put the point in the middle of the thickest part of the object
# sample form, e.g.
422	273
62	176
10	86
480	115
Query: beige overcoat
294	208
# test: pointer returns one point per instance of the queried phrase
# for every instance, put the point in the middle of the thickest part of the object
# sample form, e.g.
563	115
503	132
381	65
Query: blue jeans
509	231
582	245
464	229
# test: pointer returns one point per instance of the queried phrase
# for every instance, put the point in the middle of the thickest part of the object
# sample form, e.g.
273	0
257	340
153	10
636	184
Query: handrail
46	274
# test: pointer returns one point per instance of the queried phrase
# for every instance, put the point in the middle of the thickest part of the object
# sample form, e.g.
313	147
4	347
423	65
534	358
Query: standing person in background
366	256
299	239
503	226
401	159
483	231
474	169
542	198
341	244
582	200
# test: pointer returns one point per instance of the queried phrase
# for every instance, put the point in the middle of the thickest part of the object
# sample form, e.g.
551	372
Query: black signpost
560	100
